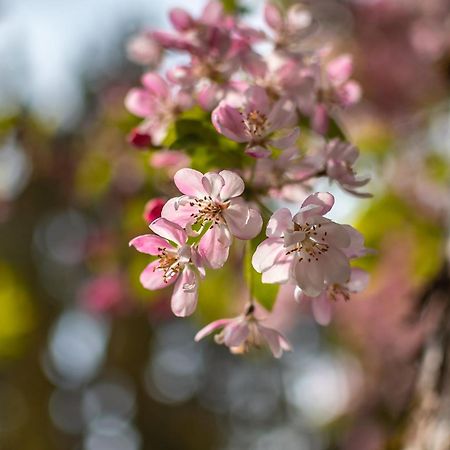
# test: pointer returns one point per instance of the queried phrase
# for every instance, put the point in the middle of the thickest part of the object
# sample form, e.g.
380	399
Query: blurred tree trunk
428	421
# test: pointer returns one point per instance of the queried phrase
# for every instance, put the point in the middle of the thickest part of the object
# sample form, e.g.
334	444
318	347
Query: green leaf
265	294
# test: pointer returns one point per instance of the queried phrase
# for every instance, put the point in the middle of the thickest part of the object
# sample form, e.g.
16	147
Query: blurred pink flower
104	293
257	122
176	261
213	200
244	332
157	105
169	159
143	49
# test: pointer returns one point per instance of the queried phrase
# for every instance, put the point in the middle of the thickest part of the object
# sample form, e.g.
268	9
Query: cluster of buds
260	103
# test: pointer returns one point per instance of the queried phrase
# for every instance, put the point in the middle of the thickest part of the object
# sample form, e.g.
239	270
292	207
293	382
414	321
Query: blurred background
89	360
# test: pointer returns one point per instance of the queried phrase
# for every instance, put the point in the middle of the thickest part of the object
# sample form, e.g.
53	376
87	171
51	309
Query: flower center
208	210
312	246
169	263
255	123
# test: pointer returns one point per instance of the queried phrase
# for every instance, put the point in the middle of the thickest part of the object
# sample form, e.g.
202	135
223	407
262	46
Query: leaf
263	293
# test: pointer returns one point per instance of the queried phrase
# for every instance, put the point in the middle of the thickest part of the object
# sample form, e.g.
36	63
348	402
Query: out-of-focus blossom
152	209
176	261
290	27
213	201
105	293
157	105
307	248
323	305
143	49
169	159
258	123
335	159
244	332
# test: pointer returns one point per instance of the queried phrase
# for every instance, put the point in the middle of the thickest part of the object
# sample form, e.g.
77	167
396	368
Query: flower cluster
253	113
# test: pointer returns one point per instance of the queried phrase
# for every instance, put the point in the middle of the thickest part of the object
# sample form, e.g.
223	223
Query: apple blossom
244	332
176	262
307	248
213	201
258	123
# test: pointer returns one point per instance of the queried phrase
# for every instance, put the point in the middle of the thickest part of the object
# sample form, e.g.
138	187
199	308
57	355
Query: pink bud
139	139
152	209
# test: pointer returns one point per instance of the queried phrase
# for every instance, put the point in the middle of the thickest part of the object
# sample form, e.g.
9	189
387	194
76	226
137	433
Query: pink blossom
323	305
156	104
244	332
143	49
213	202
307	249
289	28
257	122
152	209
176	262
335	159
342	90
139	139
169	159
104	293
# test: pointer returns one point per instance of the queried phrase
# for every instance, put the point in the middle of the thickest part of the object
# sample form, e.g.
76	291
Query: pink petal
279	273
209	96
156	85
228	121
336	234
139	102
208	329
322	309
277	343
320	120
287	140
234	185
212	184
212	13
185	294
257	100
149	243
310	277
181	19
273	16
336	266
350	93
152	277
181	215
340	69
323	200
267	253
236	333
169	230
282	115
213	247
280	221
243	222
258	151
356	248
189	182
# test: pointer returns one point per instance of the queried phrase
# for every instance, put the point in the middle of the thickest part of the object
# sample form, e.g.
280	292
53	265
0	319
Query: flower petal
156	85
228	121
280	221
169	230
189	182
233	187
267	253
322	309
212	184
185	293
149	243
359	279
214	247
181	214
236	333
208	329
152	277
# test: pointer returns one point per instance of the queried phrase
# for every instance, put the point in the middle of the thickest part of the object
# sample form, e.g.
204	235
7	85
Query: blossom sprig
236	128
